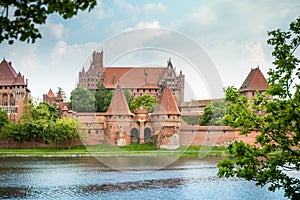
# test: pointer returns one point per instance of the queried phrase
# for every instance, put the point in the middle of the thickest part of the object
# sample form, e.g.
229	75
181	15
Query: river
88	178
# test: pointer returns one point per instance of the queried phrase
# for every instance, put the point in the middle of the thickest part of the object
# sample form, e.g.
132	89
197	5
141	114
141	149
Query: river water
88	178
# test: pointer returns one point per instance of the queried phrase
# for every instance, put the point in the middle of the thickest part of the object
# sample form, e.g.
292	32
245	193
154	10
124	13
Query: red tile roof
132	77
7	73
118	104
255	81
59	96
19	80
50	94
167	104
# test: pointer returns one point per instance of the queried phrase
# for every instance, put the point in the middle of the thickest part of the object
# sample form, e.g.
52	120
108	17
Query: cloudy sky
232	34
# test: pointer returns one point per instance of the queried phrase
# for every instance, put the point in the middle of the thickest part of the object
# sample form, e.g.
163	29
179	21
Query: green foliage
12	132
276	120
3	118
19	20
145	101
82	100
63	131
44	111
103	97
213	114
192	120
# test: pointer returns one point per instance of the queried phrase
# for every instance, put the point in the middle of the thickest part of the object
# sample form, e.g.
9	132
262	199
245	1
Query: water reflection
86	178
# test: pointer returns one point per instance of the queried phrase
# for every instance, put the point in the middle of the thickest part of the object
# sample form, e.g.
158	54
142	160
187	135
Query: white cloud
203	15
55	30
154	8
140	25
116	27
101	11
256	55
128	8
58	52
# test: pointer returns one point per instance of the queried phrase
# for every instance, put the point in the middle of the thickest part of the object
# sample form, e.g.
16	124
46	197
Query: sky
215	43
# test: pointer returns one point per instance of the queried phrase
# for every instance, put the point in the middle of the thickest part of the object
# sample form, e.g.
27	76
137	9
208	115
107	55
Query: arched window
12	100
147	135
134	136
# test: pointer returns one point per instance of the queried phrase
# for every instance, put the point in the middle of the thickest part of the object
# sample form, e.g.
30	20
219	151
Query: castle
119	126
139	80
14	91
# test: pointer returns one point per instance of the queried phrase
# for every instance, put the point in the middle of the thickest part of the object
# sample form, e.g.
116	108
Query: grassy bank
107	150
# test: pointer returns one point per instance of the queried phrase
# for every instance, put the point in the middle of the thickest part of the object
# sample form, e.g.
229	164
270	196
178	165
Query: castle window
143	90
89	131
97	131
12	100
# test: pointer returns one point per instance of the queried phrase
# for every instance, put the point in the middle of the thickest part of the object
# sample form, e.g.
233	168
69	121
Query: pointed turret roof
19	80
59	96
167	104
170	63
118	104
50	94
255	81
7	73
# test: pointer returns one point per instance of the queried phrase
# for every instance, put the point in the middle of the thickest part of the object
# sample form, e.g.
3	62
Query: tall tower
94	75
255	81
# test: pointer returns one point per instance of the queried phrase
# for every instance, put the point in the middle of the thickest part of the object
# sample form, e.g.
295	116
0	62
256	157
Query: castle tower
13	91
255	81
166	121
118	119
173	82
94	75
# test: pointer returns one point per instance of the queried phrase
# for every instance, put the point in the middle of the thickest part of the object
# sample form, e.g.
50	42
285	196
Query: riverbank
107	150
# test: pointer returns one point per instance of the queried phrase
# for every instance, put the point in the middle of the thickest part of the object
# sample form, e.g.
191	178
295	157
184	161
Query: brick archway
148	135
134	136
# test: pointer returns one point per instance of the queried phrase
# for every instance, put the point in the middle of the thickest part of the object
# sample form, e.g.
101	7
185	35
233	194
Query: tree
277	120
19	20
12	132
44	111
128	96
145	101
3	118
213	114
34	130
82	100
103	97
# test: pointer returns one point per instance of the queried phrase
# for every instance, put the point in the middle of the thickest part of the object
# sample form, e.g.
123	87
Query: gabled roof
132	77
50	94
255	81
167	104
7	73
118	104
19	80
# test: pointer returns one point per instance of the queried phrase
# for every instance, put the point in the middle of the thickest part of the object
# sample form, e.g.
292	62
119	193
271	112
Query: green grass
108	150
